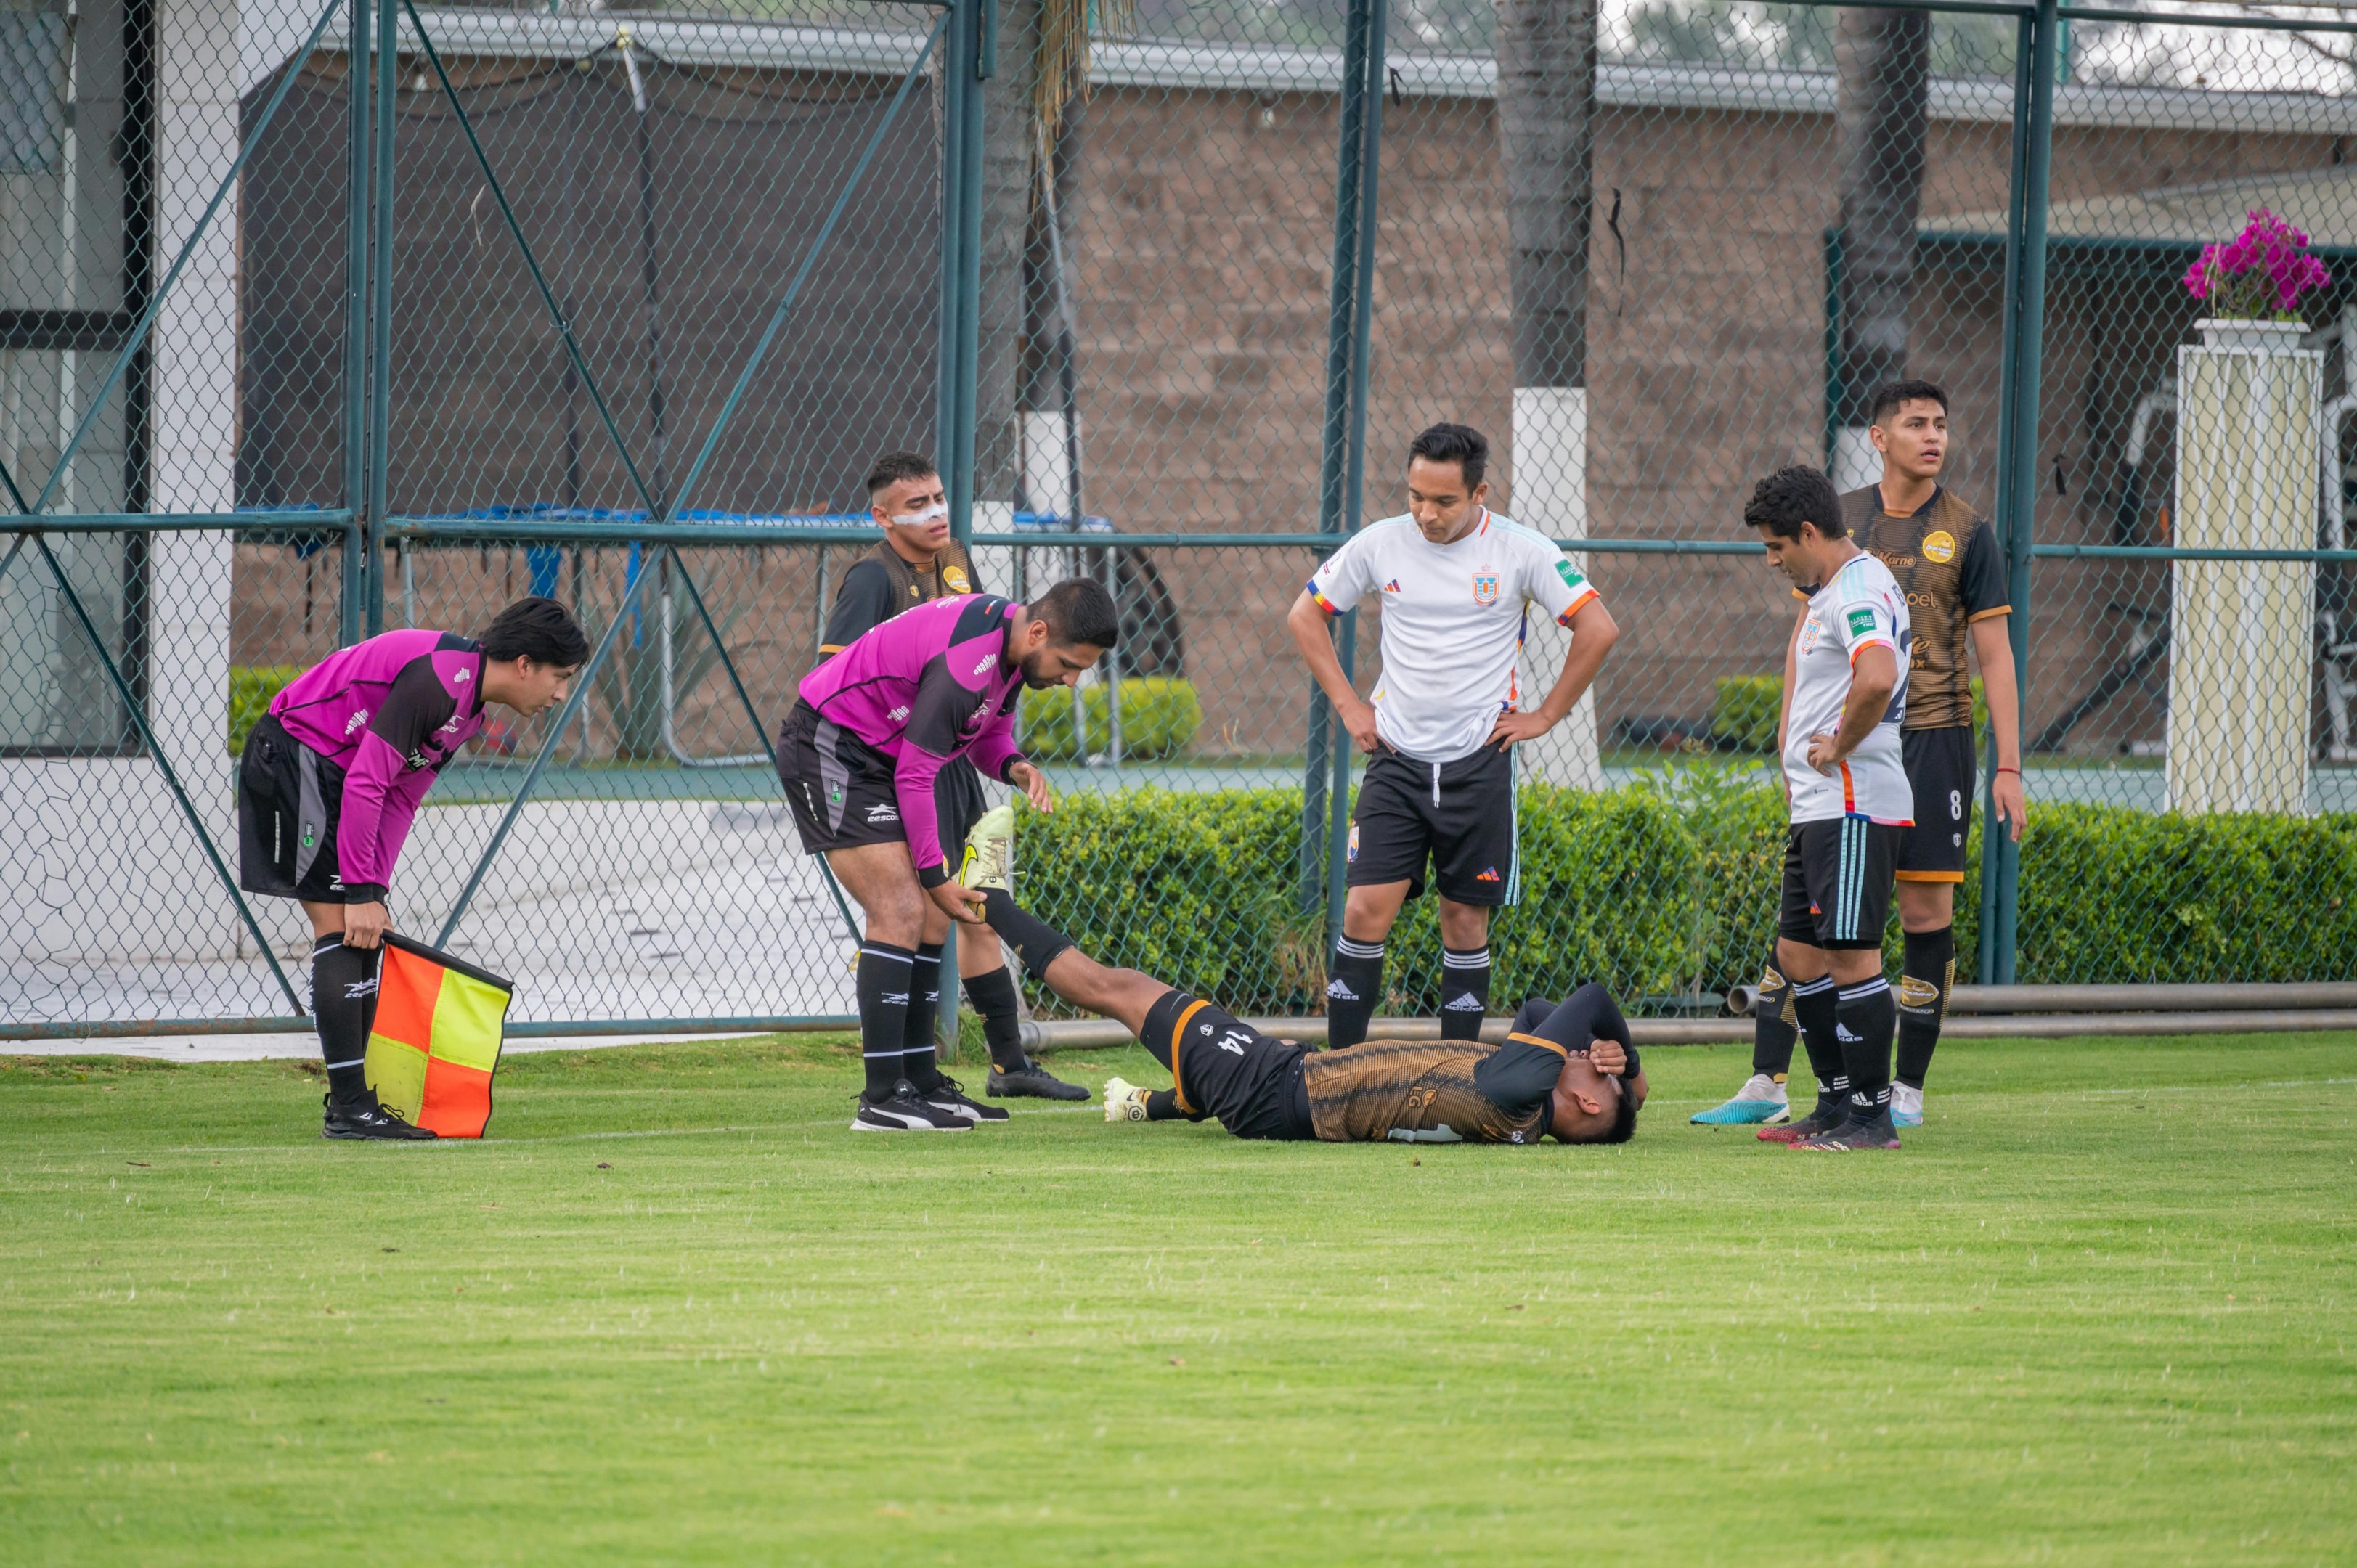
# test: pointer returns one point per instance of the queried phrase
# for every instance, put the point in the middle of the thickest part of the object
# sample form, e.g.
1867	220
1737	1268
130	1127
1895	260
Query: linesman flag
435	1040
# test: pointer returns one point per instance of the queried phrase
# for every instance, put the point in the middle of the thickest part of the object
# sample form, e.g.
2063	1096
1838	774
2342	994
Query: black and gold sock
1036	942
343	1001
916	1050
1864	1018
1464	992
1354	984
1925	980
1814	1003
994	998
1773	1025
883	984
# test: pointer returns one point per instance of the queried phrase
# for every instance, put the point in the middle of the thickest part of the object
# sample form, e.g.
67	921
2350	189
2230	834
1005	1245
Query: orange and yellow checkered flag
435	1043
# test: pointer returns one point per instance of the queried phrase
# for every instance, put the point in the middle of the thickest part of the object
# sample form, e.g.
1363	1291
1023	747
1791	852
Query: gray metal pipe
1095	1034
2118	998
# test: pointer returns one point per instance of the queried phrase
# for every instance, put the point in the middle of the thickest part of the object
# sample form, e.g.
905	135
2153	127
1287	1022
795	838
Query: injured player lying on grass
1568	1070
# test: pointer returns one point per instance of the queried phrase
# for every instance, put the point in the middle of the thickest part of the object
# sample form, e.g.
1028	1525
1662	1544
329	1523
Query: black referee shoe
1033	1079
902	1111
366	1120
948	1097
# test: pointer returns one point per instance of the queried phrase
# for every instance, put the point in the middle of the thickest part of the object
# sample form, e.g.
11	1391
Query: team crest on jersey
1485	588
1939	547
955	581
1809	632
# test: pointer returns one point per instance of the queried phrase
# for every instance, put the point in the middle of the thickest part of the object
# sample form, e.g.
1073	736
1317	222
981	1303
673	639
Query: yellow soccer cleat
1123	1102
989	850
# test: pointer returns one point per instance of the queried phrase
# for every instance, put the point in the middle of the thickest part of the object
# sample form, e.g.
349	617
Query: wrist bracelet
2014	771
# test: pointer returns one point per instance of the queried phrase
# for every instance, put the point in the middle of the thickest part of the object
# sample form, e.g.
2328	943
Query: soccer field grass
2099	1310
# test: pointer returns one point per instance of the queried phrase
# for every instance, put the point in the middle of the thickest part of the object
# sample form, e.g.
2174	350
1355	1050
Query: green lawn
2099	1311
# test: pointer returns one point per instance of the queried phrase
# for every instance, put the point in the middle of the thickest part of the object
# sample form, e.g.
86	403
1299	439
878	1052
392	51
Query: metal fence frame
966	33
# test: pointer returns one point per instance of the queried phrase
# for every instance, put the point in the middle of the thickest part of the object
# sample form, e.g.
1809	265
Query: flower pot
2258	337
2249	426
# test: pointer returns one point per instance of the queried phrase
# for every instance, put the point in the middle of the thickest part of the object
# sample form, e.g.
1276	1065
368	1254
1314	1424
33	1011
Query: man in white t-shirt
1455	581
1851	805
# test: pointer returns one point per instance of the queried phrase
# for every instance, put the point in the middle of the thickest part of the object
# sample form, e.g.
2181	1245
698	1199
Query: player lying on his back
1567	1072
331	779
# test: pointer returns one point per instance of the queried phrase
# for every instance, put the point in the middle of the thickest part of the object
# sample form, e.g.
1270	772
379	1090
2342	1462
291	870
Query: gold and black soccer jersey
880	585
1433	1091
1948	565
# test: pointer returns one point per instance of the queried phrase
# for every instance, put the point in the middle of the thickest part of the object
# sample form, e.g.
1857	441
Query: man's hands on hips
1821	756
1513	728
1034	784
364	924
957	901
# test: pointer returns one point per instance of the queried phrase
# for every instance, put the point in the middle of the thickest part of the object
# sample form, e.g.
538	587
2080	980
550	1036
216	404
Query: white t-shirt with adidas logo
1453	621
1860	609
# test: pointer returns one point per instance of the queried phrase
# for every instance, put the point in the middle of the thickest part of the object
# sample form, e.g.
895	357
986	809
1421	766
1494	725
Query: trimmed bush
1744	708
1668	888
1159	716
250	687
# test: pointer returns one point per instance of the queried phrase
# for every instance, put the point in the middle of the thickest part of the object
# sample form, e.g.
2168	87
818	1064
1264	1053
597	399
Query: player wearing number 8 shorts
1949	564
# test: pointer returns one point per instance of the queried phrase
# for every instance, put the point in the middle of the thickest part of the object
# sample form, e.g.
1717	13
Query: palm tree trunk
1546	108
1882	60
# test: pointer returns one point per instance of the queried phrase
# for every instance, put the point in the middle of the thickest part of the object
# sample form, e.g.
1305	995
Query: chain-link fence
618	307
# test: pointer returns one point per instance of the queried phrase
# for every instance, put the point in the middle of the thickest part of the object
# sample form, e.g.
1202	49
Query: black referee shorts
1458	815
289	801
1222	1068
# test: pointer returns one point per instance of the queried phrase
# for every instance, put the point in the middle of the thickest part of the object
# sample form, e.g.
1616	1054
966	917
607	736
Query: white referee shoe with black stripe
903	1111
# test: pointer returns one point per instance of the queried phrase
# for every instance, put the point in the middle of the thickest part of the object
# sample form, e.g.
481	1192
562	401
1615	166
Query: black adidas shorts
1222	1068
1458	815
289	799
1941	767
1837	879
841	791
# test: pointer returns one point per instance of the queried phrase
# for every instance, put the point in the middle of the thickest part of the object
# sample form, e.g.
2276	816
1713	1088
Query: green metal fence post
2008	368
2021	479
1320	736
358	164
1354	466
380	419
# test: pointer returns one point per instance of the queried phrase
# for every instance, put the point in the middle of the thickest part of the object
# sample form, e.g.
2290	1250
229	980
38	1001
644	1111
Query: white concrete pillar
1549	449
2241	633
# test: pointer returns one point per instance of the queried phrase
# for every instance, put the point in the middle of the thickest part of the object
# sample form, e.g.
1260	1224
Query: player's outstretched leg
990	847
1762	1100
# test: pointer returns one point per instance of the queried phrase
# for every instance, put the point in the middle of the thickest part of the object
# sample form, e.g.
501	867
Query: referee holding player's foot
1454	580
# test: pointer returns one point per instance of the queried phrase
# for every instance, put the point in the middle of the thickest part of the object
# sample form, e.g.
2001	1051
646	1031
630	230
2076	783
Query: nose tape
933	513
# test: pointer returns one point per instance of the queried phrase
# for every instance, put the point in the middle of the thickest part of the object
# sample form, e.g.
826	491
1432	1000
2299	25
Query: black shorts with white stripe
1837	881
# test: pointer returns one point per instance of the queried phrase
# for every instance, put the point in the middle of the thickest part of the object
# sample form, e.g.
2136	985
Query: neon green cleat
1761	1102
1123	1102
989	850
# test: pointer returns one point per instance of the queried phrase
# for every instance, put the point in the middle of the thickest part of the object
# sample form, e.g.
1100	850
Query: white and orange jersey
1453	619
1860	609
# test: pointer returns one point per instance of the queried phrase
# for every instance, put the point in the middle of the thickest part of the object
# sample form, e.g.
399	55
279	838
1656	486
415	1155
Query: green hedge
250	687
1158	716
1744	708
1664	889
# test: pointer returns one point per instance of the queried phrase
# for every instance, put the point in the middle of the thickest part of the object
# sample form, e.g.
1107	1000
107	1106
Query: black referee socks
916	1050
1813	1007
1924	982
1773	1026
993	997
1865	1014
343	1004
1354	984
1464	992
883	981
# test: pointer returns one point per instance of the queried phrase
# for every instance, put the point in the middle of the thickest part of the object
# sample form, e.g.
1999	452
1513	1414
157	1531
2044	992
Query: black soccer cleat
947	1096
902	1111
1823	1119
366	1120
1874	1131
1033	1079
